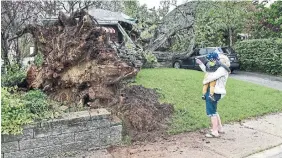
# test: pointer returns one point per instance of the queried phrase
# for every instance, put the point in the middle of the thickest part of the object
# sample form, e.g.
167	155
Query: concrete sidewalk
245	139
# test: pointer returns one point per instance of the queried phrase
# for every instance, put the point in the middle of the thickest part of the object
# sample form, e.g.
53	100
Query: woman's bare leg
219	123
214	121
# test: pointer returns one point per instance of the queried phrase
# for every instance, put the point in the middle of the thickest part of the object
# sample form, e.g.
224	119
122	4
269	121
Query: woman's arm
225	67
216	75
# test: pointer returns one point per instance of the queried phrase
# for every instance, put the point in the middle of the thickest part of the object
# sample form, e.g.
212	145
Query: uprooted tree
81	66
79	63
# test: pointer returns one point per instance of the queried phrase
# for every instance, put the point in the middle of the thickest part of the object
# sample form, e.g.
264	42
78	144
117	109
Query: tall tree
269	21
14	16
165	6
131	7
147	18
218	22
72	6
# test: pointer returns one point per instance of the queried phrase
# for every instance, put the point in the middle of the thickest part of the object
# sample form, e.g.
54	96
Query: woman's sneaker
203	97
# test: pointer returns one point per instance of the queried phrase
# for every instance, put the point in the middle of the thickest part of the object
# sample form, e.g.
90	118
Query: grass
183	89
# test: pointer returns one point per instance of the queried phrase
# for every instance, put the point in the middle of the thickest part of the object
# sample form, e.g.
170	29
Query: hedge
260	55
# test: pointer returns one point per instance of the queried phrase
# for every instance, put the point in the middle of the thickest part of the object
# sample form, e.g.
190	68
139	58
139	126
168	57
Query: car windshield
203	51
209	50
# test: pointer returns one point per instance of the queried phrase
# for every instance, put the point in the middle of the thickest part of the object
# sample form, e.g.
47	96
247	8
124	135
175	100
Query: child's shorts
211	106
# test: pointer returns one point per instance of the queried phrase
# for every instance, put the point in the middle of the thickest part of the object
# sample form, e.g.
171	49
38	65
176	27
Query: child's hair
212	56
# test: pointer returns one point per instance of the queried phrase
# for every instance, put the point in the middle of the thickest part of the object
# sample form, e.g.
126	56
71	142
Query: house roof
102	15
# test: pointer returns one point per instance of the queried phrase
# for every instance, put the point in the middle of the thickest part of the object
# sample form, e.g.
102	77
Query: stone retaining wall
74	132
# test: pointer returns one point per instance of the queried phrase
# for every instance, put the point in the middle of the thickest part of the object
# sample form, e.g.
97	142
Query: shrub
262	55
38	60
14	113
151	60
20	109
36	102
14	76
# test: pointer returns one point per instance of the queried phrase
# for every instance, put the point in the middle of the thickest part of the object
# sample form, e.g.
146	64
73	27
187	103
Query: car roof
214	47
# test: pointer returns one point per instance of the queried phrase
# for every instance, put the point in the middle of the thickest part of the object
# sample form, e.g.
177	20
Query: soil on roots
145	118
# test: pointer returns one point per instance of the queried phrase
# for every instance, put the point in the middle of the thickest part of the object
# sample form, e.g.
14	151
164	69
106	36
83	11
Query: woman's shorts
211	106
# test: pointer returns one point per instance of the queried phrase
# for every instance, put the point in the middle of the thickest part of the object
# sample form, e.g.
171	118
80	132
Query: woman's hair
224	59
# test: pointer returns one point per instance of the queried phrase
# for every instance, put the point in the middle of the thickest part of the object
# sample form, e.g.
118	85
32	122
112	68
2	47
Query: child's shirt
221	75
213	66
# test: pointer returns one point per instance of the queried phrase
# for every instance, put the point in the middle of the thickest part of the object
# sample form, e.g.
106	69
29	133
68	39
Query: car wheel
177	65
232	71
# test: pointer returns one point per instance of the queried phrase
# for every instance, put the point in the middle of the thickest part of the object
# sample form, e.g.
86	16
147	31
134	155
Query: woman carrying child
220	76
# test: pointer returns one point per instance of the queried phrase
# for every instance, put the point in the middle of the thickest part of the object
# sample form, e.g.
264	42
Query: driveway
260	79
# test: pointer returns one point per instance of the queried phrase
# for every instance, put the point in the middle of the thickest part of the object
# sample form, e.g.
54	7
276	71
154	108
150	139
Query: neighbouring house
2	66
243	36
120	26
26	61
123	33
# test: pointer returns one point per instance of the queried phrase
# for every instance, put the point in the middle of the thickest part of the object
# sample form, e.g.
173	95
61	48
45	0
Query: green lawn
183	89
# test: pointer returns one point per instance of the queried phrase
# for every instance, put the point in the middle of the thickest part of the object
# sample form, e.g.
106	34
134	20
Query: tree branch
28	29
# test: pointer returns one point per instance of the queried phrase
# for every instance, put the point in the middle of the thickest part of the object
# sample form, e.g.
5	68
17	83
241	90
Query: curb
273	152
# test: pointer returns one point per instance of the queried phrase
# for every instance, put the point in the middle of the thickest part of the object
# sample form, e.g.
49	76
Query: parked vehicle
190	62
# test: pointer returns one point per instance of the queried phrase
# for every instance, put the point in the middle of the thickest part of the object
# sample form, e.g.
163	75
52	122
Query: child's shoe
212	97
203	97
